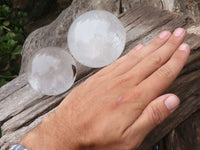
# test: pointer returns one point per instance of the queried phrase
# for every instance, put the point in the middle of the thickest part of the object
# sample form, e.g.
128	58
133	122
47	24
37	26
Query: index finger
161	79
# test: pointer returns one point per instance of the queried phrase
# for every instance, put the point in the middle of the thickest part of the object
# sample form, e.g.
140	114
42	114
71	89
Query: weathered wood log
22	108
185	137
189	8
55	34
191	137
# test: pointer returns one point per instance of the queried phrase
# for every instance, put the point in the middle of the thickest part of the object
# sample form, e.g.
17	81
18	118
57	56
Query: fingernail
172	103
179	32
139	47
164	35
184	47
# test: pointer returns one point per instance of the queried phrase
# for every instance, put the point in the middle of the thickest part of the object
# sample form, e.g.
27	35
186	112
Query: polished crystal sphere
51	71
96	38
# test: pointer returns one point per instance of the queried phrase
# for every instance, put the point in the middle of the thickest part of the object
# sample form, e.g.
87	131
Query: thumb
155	113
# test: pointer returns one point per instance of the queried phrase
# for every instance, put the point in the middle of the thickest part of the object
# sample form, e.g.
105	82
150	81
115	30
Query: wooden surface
185	137
190	139
22	109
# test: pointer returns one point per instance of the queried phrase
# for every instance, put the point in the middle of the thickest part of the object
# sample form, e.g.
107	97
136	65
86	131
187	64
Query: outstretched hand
118	106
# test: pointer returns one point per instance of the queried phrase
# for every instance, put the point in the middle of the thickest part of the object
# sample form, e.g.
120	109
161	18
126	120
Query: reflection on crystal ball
96	38
51	71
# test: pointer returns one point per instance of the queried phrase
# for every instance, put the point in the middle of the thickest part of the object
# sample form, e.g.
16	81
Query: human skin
118	106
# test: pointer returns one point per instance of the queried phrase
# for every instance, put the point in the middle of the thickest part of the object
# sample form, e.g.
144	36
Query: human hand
118	106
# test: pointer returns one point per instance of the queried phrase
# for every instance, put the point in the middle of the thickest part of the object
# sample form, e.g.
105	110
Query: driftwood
55	34
22	109
185	137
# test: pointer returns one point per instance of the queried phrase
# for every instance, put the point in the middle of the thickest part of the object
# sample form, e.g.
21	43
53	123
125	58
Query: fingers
154	114
160	80
140	52
156	59
126	62
117	63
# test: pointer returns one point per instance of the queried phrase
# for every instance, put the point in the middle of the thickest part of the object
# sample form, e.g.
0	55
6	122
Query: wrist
48	135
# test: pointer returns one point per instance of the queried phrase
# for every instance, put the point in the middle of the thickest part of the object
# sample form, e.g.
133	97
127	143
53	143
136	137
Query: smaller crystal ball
96	38
51	71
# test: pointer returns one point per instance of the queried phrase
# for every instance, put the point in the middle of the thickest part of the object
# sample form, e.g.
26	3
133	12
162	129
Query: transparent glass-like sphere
51	71
96	38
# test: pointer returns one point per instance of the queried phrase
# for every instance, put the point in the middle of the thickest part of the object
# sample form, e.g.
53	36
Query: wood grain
186	135
22	109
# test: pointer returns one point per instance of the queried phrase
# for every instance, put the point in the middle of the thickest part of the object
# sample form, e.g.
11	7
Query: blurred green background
18	18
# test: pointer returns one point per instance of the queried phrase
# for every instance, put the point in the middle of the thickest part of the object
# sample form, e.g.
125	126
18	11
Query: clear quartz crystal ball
96	38
51	71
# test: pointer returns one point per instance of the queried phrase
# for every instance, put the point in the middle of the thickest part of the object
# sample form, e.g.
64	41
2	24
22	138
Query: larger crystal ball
96	38
51	71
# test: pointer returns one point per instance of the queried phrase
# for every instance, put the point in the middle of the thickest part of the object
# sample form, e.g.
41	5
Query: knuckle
172	43
164	71
157	41
156	59
136	56
156	115
179	58
137	94
92	81
122	79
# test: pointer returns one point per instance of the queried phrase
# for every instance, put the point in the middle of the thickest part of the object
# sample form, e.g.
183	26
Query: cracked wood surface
22	109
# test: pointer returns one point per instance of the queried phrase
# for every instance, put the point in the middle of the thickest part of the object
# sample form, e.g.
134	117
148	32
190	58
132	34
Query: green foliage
12	36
